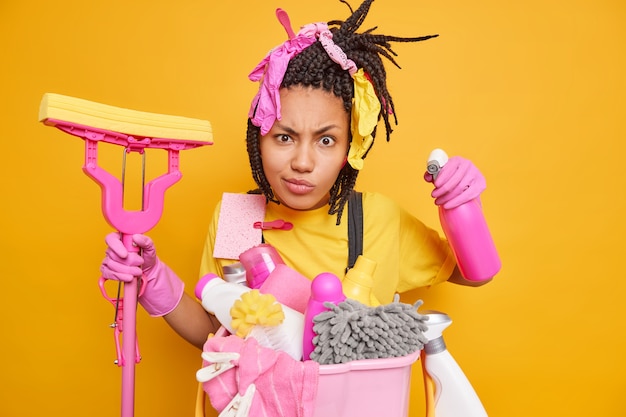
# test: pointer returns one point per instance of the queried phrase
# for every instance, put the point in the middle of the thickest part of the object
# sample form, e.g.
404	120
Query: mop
136	131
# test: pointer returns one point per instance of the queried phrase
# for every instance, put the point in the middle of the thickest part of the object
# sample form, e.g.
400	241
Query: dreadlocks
313	68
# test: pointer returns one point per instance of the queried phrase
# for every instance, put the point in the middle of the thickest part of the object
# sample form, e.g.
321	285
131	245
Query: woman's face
304	152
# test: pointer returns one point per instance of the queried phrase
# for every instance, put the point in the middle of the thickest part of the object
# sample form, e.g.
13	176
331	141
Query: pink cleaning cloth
289	287
284	387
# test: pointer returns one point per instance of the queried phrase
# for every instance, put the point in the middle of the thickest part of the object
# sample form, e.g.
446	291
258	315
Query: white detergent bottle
454	394
218	296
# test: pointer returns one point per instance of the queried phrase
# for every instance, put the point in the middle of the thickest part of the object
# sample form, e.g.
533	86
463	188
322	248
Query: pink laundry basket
365	388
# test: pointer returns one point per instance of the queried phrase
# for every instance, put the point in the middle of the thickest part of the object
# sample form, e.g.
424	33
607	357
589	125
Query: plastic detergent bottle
235	273
467	232
359	281
326	287
259	261
218	296
453	393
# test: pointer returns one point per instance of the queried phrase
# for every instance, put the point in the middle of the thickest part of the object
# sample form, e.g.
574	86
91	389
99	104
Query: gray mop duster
351	331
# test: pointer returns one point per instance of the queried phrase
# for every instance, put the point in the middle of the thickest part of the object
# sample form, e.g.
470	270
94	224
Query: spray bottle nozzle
436	160
437	323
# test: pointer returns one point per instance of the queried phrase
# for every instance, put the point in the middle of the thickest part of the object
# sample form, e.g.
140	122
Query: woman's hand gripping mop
135	131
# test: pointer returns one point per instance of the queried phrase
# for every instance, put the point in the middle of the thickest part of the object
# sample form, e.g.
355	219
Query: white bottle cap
436	160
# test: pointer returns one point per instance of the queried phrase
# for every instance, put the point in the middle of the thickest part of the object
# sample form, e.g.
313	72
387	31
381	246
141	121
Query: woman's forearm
191	321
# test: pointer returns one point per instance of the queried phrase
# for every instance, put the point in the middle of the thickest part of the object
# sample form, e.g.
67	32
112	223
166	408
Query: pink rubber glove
458	182
163	289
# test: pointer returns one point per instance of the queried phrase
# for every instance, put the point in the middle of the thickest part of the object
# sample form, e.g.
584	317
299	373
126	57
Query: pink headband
335	53
265	107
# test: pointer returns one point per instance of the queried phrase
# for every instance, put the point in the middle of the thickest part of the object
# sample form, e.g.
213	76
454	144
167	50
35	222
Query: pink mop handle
129	338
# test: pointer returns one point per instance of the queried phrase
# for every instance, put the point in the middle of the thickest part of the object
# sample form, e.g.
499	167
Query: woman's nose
303	159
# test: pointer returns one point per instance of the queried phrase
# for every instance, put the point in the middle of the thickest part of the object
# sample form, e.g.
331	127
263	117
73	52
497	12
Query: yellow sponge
56	107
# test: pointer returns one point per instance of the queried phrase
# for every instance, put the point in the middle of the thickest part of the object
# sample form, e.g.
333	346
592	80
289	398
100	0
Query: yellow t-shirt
408	254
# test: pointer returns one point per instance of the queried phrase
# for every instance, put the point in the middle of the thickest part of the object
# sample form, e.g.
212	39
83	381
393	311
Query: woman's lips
298	186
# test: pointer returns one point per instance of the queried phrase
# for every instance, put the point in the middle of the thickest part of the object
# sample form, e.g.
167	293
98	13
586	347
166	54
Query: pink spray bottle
467	232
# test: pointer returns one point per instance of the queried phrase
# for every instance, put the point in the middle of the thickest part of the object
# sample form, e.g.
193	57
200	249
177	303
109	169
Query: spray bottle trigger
436	160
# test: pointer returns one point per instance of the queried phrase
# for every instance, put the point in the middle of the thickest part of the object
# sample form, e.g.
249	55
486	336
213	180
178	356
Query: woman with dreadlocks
310	126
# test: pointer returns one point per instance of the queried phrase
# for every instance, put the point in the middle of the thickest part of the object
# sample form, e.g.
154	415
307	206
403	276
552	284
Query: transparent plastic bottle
235	273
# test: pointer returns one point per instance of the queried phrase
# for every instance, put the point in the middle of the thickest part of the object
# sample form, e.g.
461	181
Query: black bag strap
355	227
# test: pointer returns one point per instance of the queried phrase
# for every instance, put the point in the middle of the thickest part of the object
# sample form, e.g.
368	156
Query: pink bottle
467	232
259	261
325	287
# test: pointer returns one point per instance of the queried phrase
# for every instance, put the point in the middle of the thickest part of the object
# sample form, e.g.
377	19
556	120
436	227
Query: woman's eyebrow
319	131
324	129
285	128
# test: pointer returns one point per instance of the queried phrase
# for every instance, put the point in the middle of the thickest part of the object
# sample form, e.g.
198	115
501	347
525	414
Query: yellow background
532	91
